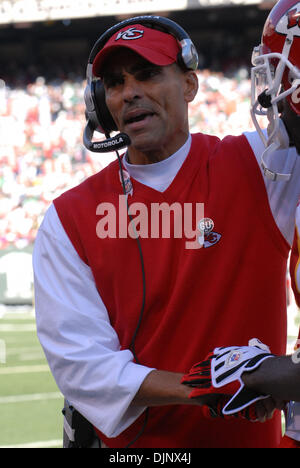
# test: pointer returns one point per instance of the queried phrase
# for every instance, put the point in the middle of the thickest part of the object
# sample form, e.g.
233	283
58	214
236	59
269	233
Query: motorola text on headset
97	114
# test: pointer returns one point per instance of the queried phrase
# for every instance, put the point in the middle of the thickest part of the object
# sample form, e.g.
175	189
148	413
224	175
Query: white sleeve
283	195
82	348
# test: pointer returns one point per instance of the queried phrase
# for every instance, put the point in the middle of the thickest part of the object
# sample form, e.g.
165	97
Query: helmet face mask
273	79
275	74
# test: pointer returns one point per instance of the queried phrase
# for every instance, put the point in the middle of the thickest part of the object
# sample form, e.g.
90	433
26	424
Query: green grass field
30	402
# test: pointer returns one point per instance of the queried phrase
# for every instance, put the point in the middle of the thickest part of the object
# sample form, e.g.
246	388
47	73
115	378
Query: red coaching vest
230	290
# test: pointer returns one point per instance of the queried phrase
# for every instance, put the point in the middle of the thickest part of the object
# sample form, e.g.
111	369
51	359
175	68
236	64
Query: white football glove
227	367
221	373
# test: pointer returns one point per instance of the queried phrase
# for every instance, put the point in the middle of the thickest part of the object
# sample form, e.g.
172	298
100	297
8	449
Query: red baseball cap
155	46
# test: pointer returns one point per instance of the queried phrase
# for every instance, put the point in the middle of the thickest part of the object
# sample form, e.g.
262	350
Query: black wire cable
132	344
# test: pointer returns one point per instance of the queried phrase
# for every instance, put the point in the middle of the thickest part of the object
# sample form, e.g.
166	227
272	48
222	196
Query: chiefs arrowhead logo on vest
208	237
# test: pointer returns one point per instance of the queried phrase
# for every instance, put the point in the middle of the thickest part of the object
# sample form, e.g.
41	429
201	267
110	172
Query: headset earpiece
104	118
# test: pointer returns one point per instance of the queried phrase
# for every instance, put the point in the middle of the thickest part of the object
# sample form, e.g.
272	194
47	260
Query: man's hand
221	371
260	411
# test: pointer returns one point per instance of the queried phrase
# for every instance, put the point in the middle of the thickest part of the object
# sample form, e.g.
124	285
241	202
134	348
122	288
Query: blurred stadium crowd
41	150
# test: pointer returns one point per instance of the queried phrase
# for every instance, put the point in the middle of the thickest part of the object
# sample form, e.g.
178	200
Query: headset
97	114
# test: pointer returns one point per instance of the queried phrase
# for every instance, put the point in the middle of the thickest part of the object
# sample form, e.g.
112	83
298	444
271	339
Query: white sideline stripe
17	327
40	444
30	397
24	349
24	369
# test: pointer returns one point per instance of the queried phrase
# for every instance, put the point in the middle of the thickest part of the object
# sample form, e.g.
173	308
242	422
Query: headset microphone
119	141
98	118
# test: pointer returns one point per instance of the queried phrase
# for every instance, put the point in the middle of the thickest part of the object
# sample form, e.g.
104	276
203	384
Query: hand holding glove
211	410
221	373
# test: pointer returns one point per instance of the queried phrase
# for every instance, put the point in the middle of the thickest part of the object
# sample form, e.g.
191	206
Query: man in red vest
179	245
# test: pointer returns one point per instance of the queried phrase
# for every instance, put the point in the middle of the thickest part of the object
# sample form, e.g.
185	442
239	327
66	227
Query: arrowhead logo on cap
129	34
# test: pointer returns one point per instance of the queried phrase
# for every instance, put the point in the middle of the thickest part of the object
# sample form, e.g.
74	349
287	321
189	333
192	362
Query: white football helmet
275	76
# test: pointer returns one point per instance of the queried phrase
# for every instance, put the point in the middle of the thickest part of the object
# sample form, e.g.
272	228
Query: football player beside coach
278	377
123	317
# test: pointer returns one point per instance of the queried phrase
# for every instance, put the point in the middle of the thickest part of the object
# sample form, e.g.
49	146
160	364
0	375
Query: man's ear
191	85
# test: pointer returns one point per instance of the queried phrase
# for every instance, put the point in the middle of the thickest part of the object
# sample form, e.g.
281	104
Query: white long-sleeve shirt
82	348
